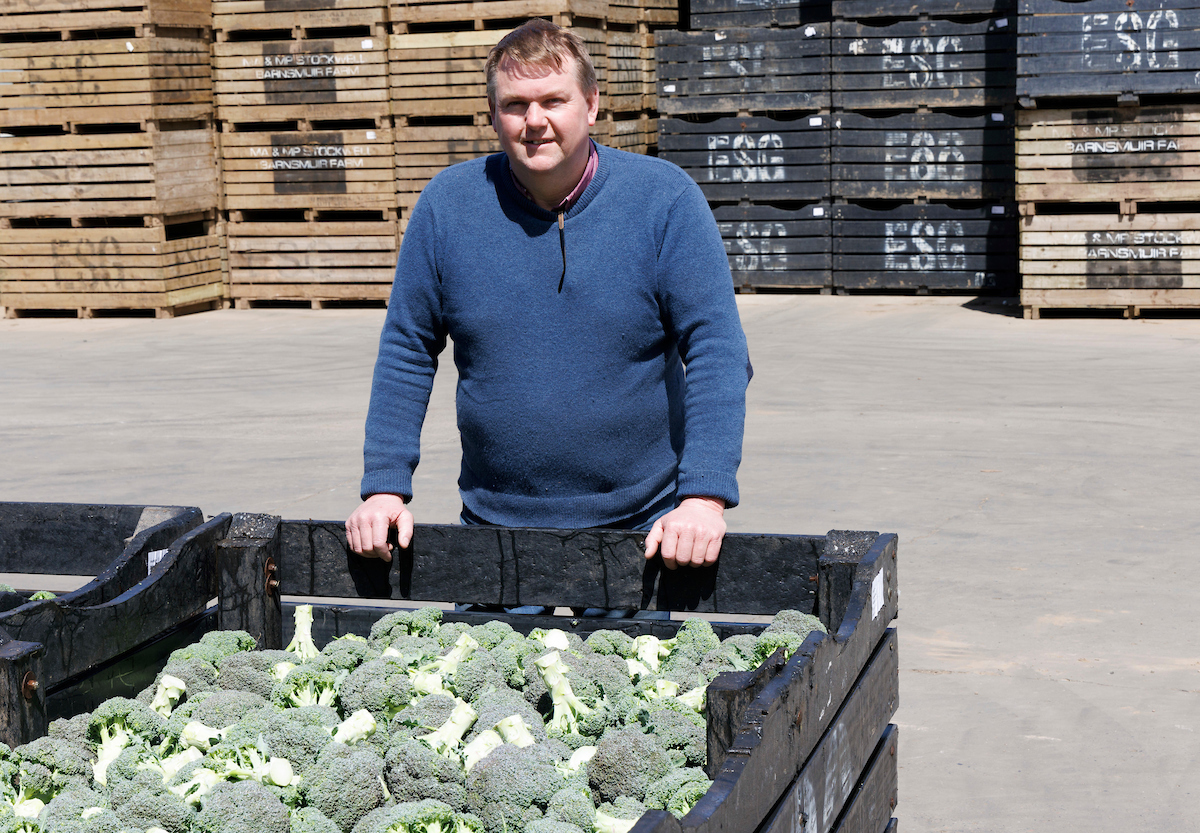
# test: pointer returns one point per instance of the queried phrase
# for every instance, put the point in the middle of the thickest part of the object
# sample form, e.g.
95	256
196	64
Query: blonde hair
540	43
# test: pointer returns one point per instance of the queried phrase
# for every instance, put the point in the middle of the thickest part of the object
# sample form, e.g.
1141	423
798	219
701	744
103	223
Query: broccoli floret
572	805
344	654
483	744
424	621
682	733
626	763
568	707
413	771
229	642
787	630
242	807
48	766
660	794
72	810
42	596
497	706
619	816
423	715
254	671
73	730
299	735
379	685
216	709
120	722
144	803
512	787
307	685
427	816
355	729
345	784
198	675
795	622
449	632
312	820
611	642
493	633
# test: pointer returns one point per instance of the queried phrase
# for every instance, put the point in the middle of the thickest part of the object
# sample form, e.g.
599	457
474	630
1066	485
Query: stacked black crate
922	132
1107	139
744	108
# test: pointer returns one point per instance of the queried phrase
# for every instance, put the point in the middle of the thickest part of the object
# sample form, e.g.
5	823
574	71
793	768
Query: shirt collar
589	171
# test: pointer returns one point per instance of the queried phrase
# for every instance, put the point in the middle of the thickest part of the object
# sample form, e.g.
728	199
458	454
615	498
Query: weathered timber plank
870	807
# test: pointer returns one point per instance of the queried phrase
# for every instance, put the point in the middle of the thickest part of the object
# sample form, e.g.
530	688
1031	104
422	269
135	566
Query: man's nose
535	116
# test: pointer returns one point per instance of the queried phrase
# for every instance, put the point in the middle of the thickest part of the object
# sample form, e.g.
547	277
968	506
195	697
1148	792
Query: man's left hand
690	534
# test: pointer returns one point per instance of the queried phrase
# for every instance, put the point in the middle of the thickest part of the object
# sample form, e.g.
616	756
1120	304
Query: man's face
542	118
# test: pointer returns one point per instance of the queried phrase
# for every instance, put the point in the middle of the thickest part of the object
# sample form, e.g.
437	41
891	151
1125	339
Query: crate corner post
23	711
247	579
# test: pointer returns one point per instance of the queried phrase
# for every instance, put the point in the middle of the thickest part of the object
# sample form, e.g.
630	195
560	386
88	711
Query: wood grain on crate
742	69
630	72
423	151
301	79
933	155
869	9
1109	154
1089	251
68	15
777	247
1133	301
1107	48
757	158
559	11
930	63
721	14
247	16
636	135
440	74
105	81
110	174
352	169
925	246
347	260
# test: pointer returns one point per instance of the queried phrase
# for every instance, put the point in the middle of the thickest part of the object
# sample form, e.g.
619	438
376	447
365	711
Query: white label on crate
810	31
368	44
153	558
997	209
668	88
1001	23
997	117
815	121
818	212
719	36
370	134
877	595
129	46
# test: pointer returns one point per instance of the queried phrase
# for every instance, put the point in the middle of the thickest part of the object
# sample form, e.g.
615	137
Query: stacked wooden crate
439	93
745	110
307	149
1106	154
108	177
922	166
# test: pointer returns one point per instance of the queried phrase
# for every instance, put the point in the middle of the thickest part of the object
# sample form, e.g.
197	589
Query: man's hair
540	43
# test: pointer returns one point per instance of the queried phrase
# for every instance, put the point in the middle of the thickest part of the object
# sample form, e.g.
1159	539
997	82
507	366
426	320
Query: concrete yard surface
1042	476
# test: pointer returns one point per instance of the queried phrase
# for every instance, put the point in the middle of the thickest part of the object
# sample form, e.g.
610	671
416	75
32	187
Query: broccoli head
427	816
308	685
254	671
242	807
312	820
662	792
424	621
626	763
611	642
572	805
512	787
413	771
120	722
345	784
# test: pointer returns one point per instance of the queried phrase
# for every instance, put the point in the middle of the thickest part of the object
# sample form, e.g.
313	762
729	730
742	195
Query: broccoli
76	810
446	738
549	825
7	588
568	707
242	807
302	644
146	802
502	706
297	735
446	664
355	728
197	675
72	729
611	642
344	654
167	693
619	816
681	731
378	685
426	816
423	715
312	820
216	709
254	671
48	766
626	763
512	787
662	792
572	805
491	634
120	722
788	630
42	596
413	771
424	621
345	784
308	685
479	748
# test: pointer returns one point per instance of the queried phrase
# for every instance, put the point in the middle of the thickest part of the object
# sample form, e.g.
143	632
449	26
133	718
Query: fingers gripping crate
152	574
792	745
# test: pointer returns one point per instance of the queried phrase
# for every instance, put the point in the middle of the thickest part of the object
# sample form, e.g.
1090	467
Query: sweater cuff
387	483
708	484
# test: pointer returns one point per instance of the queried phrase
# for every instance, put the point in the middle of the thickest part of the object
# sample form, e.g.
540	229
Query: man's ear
593	101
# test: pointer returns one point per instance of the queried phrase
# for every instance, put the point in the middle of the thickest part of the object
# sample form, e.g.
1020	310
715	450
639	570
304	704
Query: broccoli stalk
447	736
652	651
167	694
567	707
302	644
446	665
355	728
605	823
513	730
479	748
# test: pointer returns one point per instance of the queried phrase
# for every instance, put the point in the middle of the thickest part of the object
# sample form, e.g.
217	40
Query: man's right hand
367	529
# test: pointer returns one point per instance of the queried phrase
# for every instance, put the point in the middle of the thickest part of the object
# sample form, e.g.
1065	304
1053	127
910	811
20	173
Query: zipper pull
562	242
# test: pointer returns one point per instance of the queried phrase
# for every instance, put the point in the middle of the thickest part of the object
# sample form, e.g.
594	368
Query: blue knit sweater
572	401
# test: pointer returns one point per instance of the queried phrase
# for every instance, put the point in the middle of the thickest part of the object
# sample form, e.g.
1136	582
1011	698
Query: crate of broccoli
379	721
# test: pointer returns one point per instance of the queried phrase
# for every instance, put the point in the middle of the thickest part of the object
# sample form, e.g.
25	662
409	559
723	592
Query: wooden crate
941	156
252	20
1115	154
634	132
709	15
424	150
112	79
407	16
743	69
1089	254
312	256
442	73
152	173
333	169
630	73
1111	49
757	159
923	63
309	79
81	15
170	267
925	246
875	9
771	247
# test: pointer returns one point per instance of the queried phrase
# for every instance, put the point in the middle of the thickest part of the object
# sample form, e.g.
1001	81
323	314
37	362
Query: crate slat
777	247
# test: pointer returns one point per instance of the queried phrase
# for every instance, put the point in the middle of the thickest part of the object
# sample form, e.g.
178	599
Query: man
576	283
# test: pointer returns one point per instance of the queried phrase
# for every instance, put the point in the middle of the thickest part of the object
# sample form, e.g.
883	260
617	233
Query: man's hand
367	529
690	534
